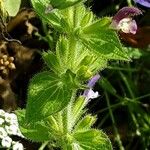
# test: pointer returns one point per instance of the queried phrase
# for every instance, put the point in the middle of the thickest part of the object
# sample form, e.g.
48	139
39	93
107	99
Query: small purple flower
89	93
123	20
93	81
145	3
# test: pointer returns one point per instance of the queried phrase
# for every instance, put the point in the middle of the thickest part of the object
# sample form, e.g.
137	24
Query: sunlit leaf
93	139
37	132
102	40
48	94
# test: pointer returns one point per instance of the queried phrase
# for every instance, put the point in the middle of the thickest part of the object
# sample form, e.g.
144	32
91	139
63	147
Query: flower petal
91	94
127	25
126	12
93	81
145	3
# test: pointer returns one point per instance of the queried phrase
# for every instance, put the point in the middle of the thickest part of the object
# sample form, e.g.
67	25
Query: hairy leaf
61	4
37	132
93	139
102	40
48	94
53	18
52	62
86	122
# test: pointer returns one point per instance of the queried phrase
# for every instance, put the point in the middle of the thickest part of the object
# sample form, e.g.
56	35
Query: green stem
129	3
122	69
114	123
141	97
43	145
133	98
127	84
112	107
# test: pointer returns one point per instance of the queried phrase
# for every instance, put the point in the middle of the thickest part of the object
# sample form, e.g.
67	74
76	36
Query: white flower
3	133
91	94
18	146
11	118
2	112
127	25
1	121
6	142
12	129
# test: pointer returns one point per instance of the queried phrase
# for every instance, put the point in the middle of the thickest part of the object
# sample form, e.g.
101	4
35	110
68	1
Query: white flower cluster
9	126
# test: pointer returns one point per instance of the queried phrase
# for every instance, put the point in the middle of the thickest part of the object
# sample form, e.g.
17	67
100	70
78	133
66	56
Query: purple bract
126	12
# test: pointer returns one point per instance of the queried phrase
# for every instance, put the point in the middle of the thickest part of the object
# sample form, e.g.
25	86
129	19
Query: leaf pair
70	128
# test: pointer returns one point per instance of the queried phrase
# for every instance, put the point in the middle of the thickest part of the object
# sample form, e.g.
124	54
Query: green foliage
103	40
51	18
63	3
84	45
33	131
94	34
11	6
92	140
68	128
48	94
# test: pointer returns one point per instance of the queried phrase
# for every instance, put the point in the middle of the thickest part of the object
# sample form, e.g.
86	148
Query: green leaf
61	4
77	17
103	41
37	132
84	73
93	139
97	25
62	52
133	53
86	19
48	94
86	122
52	62
12	6
52	18
78	109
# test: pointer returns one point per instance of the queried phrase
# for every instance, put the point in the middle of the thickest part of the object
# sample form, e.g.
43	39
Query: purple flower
123	20
145	3
89	93
93	81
